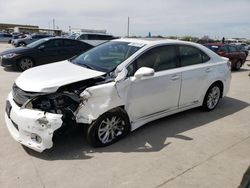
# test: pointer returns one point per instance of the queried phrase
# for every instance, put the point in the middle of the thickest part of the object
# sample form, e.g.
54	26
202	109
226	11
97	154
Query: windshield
107	56
37	43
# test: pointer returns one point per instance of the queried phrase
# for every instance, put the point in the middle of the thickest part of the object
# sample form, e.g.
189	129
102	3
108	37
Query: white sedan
114	89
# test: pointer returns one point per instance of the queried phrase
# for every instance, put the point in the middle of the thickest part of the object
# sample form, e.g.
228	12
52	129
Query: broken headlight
55	103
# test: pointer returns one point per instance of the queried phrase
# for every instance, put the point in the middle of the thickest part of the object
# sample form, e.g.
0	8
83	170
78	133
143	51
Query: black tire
212	97
21	44
238	65
25	63
96	131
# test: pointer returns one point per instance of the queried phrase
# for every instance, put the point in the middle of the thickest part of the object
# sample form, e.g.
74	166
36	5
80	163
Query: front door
149	96
53	51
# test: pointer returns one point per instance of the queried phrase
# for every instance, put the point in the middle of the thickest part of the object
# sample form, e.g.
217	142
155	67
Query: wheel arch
17	62
27	56
120	109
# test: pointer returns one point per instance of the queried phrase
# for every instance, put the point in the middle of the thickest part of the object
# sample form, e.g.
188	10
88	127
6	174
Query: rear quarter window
190	55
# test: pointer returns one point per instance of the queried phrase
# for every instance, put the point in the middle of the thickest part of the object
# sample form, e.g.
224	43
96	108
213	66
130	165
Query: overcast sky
216	18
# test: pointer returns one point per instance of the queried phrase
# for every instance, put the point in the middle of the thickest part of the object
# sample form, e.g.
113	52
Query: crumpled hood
48	78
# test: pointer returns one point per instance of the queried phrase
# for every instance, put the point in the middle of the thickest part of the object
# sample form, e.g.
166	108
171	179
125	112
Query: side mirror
41	47
144	72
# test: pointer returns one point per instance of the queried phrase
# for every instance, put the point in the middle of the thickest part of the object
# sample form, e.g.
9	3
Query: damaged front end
33	118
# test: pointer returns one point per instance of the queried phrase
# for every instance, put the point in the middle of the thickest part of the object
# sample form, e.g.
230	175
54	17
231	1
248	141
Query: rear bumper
32	128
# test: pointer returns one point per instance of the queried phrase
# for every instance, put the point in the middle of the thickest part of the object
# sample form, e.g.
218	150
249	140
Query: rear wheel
25	63
107	129
238	65
212	97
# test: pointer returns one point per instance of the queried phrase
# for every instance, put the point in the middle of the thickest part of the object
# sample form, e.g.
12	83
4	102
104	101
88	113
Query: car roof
154	41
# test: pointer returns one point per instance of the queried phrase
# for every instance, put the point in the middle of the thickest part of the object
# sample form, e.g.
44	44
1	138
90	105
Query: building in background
19	28
5	27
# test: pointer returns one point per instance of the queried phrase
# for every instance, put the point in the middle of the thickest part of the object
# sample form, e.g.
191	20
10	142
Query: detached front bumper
32	128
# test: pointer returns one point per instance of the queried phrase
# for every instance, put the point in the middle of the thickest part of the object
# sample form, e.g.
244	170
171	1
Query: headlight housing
10	55
55	102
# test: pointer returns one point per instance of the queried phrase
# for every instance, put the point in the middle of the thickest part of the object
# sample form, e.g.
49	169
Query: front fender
102	99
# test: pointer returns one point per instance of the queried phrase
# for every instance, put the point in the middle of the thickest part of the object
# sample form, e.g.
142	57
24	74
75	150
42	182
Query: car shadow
11	69
152	137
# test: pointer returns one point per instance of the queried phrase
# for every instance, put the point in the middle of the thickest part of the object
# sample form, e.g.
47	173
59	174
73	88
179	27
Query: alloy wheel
213	97
110	128
26	63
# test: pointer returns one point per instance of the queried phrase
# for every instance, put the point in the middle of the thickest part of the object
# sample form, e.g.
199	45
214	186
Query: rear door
196	70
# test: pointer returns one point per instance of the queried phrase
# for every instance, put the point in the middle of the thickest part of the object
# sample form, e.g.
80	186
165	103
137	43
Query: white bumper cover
32	128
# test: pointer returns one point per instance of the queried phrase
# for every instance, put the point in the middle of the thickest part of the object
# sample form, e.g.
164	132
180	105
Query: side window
54	43
190	55
93	37
205	57
7	35
223	49
58	43
131	69
232	49
71	43
159	58
104	37
83	37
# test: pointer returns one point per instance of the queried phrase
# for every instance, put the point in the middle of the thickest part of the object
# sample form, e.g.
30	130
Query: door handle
175	77
209	69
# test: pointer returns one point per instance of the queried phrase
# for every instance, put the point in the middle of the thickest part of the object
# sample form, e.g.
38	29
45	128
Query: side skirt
141	121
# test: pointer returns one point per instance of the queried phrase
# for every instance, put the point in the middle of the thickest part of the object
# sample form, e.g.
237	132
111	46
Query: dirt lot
189	149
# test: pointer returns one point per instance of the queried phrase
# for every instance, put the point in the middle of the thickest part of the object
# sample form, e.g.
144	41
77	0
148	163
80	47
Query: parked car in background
93	38
28	39
242	47
18	36
230	51
42	51
113	89
5	37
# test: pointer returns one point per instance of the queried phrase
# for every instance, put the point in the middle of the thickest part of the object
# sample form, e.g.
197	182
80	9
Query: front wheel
25	63
212	97
107	129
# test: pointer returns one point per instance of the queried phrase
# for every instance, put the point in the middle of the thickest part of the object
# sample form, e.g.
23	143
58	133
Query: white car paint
32	122
50	77
144	99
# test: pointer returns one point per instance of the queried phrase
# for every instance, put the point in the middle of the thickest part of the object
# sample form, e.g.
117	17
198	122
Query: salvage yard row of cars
113	89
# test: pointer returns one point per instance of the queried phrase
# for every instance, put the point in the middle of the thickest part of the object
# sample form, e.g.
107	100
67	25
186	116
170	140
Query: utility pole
69	29
53	23
128	28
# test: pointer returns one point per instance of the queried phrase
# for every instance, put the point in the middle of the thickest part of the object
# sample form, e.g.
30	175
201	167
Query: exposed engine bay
64	101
